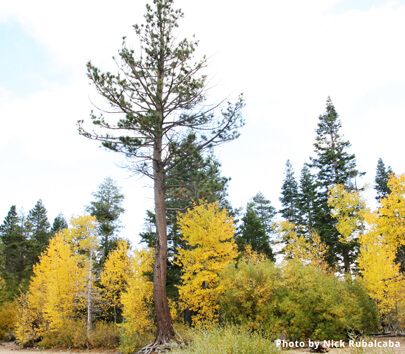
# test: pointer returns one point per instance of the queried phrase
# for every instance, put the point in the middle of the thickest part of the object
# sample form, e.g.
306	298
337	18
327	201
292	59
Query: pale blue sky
26	66
286	56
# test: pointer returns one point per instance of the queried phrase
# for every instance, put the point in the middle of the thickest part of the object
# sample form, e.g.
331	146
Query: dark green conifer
289	196
16	268
59	223
38	232
307	200
253	233
381	180
333	165
107	208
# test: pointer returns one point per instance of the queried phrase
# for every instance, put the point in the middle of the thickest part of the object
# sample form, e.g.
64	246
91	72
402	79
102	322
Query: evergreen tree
59	223
381	180
15	270
38	229
265	211
289	196
253	233
334	165
157	99
307	200
107	208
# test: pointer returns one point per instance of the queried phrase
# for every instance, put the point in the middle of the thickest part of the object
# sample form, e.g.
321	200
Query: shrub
104	335
229	339
301	299
8	315
72	334
251	295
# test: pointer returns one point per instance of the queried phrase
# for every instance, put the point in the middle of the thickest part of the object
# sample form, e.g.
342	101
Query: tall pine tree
158	102
333	165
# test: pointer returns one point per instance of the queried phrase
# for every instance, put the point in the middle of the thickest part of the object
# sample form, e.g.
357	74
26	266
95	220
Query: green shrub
302	300
229	339
252	295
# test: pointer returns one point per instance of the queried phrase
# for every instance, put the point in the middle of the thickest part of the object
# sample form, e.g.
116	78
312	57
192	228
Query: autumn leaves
217	284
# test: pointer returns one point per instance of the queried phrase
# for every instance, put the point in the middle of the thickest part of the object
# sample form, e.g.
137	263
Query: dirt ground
12	348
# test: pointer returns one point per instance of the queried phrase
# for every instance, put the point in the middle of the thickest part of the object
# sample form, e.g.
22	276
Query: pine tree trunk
165	331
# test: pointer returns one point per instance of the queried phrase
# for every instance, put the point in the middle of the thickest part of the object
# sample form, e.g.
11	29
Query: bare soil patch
12	348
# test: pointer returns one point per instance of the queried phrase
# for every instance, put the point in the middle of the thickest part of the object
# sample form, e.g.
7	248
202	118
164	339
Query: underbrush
73	335
227	339
8	314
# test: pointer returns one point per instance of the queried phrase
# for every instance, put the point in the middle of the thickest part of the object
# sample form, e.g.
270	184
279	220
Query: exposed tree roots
160	347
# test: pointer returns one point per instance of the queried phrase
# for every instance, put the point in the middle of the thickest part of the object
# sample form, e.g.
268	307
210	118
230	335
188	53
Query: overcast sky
286	57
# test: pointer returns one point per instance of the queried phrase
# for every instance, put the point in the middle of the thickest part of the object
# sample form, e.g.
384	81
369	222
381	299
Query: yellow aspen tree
52	293
380	272
380	234
295	245
82	235
317	251
349	208
114	278
309	251
391	220
137	299
208	232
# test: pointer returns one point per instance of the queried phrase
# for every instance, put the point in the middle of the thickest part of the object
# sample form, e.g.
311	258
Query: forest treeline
80	284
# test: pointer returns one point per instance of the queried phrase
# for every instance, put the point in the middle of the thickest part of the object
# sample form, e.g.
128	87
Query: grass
227	340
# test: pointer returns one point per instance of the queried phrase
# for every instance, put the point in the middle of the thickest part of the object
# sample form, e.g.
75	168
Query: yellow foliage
252	256
52	292
137	299
3	294
309	251
82	236
379	240
349	209
317	252
391	215
29	323
8	313
115	276
208	233
381	274
62	283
